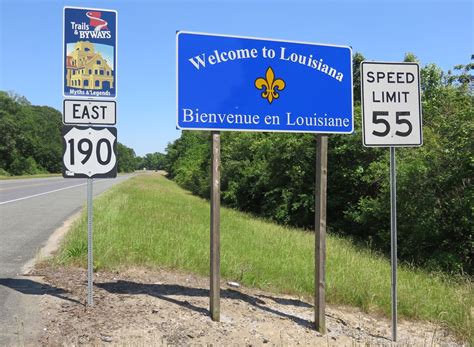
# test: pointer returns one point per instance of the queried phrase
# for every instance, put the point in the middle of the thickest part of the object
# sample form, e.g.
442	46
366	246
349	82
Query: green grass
29	176
150	221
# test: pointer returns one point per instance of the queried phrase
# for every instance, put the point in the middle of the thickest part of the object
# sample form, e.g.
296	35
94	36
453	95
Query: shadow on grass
30	287
163	291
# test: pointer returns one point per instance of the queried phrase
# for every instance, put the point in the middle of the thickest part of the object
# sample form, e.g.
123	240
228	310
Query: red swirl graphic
96	21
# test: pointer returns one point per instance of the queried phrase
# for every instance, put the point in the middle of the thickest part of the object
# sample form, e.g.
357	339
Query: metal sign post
391	117
320	233
89	71
90	261
215	227
393	234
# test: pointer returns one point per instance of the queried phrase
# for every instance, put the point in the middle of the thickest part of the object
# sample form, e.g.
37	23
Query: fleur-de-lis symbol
270	85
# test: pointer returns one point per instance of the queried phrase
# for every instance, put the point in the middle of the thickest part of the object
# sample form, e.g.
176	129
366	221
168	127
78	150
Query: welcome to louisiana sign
241	83
90	53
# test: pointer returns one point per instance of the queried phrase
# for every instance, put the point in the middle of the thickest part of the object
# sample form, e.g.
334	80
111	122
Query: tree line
272	175
30	141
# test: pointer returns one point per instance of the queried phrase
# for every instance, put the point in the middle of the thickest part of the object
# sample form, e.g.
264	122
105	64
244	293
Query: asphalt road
30	211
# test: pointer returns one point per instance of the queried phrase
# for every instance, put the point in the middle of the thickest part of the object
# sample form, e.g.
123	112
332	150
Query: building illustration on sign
87	69
90	53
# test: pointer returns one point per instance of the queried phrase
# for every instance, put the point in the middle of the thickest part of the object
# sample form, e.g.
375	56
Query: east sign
90	112
253	84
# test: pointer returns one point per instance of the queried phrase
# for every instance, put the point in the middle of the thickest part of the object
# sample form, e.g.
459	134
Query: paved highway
30	211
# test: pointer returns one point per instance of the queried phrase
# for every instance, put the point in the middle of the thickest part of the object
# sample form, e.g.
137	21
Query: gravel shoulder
167	308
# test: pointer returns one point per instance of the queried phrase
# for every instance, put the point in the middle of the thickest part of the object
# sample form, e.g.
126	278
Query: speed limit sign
89	152
391	106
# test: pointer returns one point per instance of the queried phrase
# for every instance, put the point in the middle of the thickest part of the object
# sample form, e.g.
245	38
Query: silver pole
90	301
393	229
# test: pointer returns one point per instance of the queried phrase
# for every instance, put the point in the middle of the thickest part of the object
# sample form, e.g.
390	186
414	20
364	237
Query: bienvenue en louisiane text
202	61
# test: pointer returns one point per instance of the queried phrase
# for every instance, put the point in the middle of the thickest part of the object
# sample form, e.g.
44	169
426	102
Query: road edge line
52	244
54	241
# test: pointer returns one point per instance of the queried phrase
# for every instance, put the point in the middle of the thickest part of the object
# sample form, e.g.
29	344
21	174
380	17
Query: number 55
398	120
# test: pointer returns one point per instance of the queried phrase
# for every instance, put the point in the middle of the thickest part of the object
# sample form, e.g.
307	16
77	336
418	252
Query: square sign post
235	83
89	71
391	112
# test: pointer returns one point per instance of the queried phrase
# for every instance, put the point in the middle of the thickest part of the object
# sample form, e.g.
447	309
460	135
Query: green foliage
272	175
151	161
356	60
26	166
411	58
435	191
188	161
126	158
435	188
31	138
31	143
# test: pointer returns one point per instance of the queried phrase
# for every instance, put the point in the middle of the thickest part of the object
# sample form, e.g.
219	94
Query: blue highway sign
252	84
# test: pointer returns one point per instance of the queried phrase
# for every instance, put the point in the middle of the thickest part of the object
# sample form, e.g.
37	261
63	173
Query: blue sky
439	32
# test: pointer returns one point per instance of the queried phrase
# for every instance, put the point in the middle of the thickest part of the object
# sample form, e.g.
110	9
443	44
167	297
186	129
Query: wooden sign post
320	233
215	227
263	91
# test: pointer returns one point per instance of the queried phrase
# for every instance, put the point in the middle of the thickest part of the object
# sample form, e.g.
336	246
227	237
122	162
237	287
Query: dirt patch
164	308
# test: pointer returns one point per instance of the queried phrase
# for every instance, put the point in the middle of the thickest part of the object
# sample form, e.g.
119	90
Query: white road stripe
25	186
44	193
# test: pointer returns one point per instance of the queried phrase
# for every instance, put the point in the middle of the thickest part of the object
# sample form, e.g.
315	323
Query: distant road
30	211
